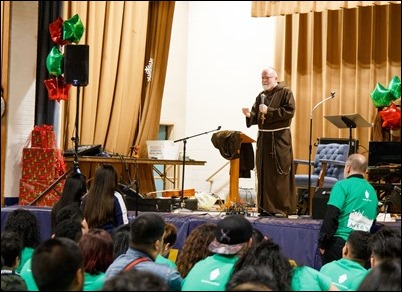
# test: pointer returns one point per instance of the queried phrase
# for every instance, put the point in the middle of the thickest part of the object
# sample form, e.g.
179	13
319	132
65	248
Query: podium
233	196
350	121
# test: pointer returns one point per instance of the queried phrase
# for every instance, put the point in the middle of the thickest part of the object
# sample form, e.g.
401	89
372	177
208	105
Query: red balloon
391	117
56	31
57	89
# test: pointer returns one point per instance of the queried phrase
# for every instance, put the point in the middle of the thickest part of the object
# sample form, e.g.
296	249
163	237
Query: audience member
135	280
97	249
195	247
257	236
75	187
72	212
25	223
11	248
146	235
385	244
232	237
68	228
58	264
121	239
103	205
169	239
385	276
253	278
352	205
348	272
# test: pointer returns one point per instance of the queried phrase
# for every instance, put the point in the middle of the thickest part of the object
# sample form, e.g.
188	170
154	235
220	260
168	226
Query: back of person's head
170	234
232	235
358	246
25	223
11	248
357	162
58	264
253	278
74	189
257	236
386	276
69	228
97	248
195	247
385	244
135	280
268	253
121	239
70	211
146	229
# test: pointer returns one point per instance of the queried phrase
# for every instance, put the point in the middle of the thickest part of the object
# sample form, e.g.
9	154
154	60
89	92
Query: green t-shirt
93	282
160	259
345	274
26	254
26	274
210	274
305	278
357	200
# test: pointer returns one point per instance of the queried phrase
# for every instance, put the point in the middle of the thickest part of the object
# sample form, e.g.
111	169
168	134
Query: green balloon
73	29
394	87
54	62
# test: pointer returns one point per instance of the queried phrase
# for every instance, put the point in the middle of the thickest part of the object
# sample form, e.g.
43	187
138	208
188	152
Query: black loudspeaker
320	200
76	65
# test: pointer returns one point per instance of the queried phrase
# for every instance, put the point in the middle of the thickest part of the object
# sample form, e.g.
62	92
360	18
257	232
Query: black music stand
349	121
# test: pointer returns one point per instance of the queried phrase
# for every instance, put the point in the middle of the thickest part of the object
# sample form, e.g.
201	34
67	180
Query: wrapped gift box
42	164
30	189
43	137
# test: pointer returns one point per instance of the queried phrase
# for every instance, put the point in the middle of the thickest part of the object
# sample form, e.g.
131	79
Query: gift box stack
42	164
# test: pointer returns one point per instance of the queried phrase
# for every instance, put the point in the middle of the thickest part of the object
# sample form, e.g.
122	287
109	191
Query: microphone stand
182	204
310	144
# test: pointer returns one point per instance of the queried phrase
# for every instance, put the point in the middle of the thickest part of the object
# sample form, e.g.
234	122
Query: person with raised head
195	247
273	111
11	248
103	205
146	242
74	189
233	235
352	205
348	272
58	265
25	223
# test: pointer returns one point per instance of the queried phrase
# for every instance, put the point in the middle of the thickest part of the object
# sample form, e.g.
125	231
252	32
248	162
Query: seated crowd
104	251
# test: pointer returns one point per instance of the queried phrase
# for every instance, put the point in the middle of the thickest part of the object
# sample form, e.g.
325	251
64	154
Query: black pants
333	251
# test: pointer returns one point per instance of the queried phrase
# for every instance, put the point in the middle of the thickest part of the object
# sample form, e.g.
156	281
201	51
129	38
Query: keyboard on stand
87	150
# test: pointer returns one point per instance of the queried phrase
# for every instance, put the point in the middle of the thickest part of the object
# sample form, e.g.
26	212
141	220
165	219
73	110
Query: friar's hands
263	108
246	111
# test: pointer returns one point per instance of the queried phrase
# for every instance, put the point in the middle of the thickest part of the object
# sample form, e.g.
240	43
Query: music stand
349	121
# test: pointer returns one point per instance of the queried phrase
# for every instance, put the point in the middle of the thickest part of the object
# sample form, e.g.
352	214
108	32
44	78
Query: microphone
218	128
321	102
262	97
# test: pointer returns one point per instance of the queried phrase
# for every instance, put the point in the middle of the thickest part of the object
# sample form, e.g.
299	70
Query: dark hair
98	204
135	280
268	253
121	239
195	247
386	243
25	223
257	236
55	263
97	248
170	234
11	247
69	228
386	276
71	211
74	189
259	277
358	244
147	228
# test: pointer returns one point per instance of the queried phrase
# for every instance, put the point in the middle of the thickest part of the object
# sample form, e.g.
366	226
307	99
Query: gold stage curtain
347	51
276	8
120	107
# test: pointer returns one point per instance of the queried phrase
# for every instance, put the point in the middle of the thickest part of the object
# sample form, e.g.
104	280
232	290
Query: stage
297	237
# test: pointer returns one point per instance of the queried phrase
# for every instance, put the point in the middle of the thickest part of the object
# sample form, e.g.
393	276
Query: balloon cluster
384	98
61	34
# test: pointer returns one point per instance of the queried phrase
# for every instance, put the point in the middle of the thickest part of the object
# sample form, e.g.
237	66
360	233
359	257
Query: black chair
327	169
